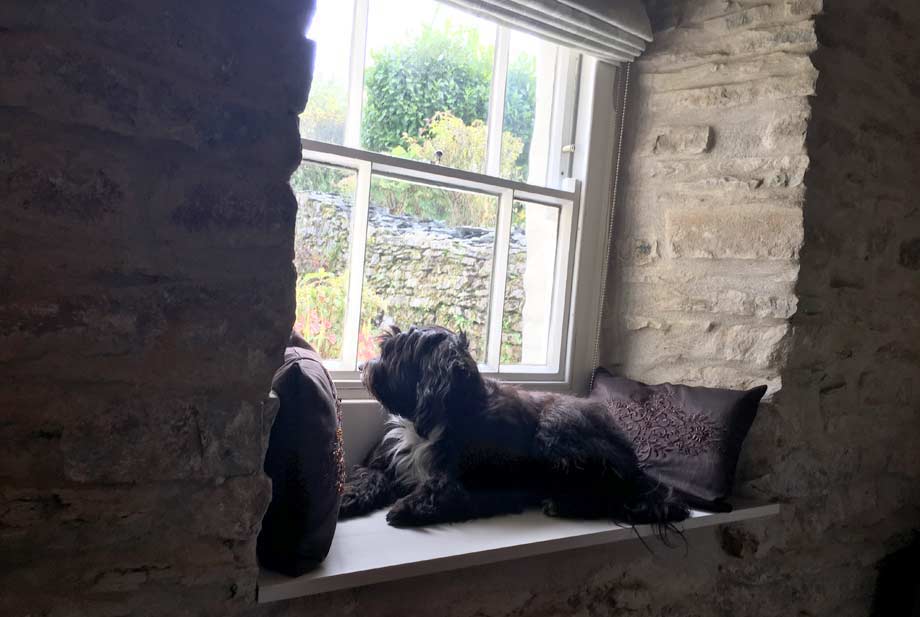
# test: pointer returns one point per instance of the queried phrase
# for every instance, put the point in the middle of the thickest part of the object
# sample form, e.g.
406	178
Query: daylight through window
435	184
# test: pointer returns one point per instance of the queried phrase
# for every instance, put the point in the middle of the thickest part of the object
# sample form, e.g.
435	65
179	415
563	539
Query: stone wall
146	293
751	249
709	223
419	271
147	287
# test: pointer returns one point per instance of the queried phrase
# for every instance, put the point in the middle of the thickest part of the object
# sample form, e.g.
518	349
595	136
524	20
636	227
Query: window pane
322	241
427	83
324	117
529	289
528	109
428	261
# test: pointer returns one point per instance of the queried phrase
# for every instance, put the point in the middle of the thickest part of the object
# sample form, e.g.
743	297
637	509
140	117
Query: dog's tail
659	506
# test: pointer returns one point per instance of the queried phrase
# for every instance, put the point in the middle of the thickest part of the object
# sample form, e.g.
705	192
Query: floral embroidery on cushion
658	426
338	452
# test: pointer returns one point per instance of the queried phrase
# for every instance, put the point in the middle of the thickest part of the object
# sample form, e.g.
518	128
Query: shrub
461	145
442	70
320	314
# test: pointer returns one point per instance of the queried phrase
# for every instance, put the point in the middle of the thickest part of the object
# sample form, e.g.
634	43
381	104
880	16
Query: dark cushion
305	461
688	437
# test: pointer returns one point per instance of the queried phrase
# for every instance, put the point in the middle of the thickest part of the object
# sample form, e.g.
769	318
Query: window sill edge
366	550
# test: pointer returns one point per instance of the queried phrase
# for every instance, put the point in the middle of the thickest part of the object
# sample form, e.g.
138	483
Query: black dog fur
494	448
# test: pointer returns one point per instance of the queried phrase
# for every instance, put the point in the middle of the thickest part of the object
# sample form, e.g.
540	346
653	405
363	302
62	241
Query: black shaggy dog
460	446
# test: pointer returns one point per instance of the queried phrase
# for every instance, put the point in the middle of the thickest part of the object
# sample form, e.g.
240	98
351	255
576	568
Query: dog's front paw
550	508
405	513
351	505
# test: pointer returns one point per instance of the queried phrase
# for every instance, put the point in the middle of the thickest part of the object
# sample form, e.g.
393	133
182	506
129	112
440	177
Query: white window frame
581	174
366	164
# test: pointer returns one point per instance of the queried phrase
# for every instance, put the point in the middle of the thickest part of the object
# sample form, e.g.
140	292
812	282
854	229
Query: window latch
569	149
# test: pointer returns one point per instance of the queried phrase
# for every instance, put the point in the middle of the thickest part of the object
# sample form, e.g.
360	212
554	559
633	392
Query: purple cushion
688	437
306	464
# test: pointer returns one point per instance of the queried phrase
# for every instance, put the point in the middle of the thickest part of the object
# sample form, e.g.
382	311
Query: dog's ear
433	399
448	382
462	341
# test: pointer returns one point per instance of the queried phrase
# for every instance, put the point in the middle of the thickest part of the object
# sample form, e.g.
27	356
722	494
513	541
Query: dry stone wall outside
421	271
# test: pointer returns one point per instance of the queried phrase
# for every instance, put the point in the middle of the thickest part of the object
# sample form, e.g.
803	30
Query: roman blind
612	30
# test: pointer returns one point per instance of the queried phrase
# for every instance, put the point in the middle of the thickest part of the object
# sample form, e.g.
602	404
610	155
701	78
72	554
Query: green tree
442	70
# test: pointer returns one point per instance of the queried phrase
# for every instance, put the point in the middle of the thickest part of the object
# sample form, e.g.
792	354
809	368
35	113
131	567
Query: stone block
756	297
638	251
683	48
260	211
65	182
133	334
786	132
706	374
727	71
743	174
734	95
909	254
162	438
63	82
756	16
195	41
682	140
734	233
654	342
724	15
40	523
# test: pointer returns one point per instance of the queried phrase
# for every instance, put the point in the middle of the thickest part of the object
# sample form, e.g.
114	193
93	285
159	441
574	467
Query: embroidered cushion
305	461
689	437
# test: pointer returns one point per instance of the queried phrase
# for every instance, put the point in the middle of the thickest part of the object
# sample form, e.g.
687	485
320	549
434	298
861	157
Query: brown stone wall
750	249
146	290
709	218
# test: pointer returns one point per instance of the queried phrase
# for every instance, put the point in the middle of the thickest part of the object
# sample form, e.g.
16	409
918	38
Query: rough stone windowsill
367	550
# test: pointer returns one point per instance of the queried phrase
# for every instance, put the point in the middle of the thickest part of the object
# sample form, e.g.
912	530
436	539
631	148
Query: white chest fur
410	455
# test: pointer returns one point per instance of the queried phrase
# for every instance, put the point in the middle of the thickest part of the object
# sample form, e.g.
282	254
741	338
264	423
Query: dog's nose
361	366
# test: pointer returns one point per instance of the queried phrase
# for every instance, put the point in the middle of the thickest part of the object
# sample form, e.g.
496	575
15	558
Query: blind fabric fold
611	30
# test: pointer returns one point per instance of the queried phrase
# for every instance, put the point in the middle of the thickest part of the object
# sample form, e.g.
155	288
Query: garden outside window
445	163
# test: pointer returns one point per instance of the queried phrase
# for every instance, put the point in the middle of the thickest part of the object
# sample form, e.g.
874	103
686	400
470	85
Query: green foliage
320	178
322	120
320	314
462	145
444	70
441	70
425	95
519	106
324	117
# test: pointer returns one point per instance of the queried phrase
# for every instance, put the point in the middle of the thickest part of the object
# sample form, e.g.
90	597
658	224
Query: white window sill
367	550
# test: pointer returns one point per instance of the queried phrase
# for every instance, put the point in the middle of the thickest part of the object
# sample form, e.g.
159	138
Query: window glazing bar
356	73
497	102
